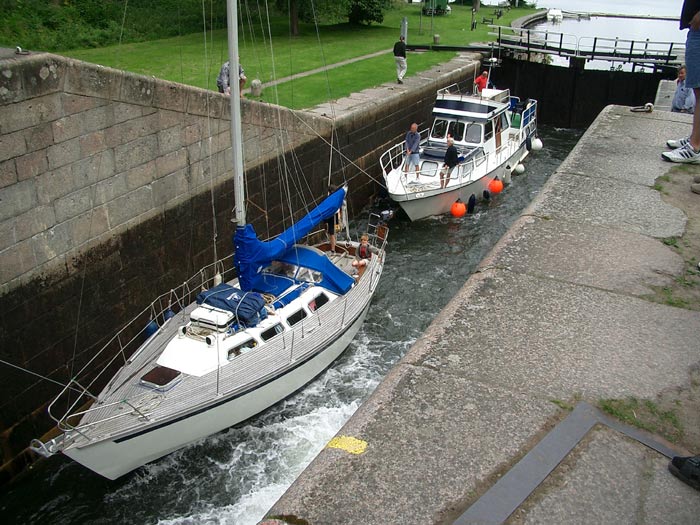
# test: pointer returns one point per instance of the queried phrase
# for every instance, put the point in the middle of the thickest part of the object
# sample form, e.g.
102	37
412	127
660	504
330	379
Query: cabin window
272	332
439	129
317	303
488	132
456	130
282	268
242	348
504	121
312	276
296	317
473	133
429	168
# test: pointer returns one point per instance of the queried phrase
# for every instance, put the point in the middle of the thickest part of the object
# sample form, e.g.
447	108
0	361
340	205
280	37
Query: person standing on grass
400	59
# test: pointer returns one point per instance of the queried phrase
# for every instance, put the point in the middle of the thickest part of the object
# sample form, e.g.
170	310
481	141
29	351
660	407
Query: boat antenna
493	62
236	139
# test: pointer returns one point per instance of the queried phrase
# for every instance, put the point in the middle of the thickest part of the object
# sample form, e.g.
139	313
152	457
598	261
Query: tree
476	4
367	11
310	11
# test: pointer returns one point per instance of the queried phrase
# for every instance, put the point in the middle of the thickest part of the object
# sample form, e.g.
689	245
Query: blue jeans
692	59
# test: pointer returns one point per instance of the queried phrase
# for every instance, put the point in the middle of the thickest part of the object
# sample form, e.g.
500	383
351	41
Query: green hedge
53	25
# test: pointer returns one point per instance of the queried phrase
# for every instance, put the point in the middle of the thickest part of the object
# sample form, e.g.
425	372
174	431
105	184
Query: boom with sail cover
252	254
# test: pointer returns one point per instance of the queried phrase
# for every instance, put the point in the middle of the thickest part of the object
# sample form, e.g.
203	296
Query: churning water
235	476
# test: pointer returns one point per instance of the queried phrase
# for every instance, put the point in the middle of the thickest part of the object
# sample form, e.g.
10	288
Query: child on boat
362	255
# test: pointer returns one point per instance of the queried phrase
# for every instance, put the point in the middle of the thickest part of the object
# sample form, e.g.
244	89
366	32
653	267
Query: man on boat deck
412	147
481	82
451	160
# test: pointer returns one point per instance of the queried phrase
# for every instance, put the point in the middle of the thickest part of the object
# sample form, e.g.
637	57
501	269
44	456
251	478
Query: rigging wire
121	32
345	157
328	92
259	129
209	139
46	378
179	39
93	194
284	168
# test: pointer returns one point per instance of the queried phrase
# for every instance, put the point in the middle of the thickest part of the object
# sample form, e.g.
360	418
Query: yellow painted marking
348	444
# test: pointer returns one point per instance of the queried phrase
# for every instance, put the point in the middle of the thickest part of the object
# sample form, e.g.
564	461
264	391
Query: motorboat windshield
462	132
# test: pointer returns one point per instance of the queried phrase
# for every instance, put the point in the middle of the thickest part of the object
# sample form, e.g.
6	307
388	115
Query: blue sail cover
334	279
252	255
248	307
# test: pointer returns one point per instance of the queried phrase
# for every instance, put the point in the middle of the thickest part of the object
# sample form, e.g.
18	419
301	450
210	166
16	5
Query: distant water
235	476
627	7
584	31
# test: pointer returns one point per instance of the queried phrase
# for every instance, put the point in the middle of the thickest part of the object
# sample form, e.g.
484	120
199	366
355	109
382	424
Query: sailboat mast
236	134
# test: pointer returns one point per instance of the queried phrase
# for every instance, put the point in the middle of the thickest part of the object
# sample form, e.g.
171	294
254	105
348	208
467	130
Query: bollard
256	87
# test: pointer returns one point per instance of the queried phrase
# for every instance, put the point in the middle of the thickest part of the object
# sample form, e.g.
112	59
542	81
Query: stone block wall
107	181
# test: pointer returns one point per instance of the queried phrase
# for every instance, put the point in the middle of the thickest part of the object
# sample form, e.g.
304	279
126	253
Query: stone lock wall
106	187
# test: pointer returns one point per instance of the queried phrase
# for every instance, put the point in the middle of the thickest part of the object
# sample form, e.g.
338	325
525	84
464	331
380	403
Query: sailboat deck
130	406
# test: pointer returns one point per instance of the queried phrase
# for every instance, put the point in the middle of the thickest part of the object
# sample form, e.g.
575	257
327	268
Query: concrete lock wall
106	201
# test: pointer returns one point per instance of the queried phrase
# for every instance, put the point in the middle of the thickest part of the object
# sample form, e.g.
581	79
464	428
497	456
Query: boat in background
555	15
226	344
492	131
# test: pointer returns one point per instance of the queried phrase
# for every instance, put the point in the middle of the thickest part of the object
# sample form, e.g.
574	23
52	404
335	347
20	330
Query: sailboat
219	349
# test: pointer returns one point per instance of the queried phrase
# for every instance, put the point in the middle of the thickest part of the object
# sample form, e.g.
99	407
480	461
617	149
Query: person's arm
695	22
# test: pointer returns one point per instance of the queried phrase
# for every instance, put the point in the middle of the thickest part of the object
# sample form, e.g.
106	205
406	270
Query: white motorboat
555	15
492	131
196	362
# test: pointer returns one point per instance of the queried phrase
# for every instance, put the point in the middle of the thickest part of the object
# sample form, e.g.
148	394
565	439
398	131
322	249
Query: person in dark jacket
400	59
687	149
451	160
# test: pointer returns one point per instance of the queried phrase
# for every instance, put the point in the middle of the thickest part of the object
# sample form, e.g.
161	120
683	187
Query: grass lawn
195	59
336	83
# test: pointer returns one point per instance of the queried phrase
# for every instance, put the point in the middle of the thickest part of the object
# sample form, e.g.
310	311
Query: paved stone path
555	314
320	69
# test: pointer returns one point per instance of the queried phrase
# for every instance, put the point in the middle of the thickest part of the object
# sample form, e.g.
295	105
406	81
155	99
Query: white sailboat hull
114	458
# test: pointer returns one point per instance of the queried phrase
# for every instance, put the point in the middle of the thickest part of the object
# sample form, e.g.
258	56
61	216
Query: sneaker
683	155
399	81
675	144
687	469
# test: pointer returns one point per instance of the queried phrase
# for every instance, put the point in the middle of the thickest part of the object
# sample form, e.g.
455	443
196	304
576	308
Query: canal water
583	31
622	7
235	476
